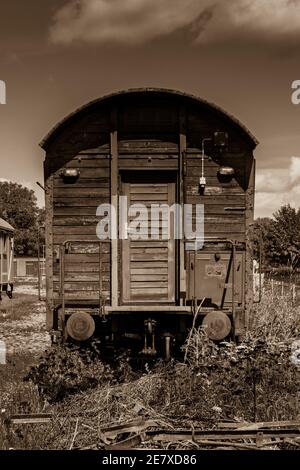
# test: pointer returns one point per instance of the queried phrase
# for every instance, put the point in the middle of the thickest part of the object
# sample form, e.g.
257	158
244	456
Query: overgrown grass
257	380
275	319
16	396
17	308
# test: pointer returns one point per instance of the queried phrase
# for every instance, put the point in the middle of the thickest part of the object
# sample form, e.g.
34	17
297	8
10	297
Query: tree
280	238
263	239
287	236
18	206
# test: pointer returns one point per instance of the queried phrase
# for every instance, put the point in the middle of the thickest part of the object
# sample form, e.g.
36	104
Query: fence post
272	287
294	293
282	288
2	352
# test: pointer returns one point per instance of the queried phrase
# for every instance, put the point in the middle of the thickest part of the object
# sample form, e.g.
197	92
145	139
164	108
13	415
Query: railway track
143	433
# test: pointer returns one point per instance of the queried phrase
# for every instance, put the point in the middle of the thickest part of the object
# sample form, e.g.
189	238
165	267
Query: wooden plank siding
74	218
157	135
219	198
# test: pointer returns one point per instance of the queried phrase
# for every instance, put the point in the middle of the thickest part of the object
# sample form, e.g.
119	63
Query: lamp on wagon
70	175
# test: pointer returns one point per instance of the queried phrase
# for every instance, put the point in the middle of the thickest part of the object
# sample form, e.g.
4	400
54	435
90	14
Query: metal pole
1	265
39	267
100	279
294	293
260	265
63	306
233	289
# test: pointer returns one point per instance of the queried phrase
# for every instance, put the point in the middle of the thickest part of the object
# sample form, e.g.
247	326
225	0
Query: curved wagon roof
5	226
83	110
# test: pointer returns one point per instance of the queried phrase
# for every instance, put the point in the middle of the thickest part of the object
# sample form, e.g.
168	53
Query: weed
64	371
256	380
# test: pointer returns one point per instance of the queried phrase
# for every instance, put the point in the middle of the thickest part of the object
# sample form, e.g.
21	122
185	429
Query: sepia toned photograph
149	229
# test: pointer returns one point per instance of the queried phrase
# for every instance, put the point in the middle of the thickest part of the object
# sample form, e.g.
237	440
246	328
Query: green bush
67	370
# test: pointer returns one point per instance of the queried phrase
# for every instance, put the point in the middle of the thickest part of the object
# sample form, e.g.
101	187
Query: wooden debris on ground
153	433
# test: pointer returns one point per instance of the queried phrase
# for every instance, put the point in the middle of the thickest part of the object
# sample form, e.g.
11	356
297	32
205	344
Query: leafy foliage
18	206
253	381
287	235
280	238
65	371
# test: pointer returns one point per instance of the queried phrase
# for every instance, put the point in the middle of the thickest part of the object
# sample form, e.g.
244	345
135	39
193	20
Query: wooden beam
114	204
1	262
180	198
49	250
249	213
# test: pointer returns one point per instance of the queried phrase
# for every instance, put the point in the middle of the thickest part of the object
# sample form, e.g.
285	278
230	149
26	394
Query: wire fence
282	288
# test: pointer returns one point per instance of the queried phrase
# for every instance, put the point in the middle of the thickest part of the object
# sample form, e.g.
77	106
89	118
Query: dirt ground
22	322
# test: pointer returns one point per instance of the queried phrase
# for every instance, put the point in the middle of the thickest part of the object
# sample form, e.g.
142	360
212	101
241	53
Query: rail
240	435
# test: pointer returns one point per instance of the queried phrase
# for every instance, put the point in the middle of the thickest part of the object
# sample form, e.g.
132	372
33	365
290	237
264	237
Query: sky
242	55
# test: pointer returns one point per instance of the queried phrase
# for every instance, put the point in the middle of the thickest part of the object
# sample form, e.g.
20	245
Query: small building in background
6	257
28	267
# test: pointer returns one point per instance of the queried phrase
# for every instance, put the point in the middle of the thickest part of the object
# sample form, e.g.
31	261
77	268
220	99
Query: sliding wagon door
148	265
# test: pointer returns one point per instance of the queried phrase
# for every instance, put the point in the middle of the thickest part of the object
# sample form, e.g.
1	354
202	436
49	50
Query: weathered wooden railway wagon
154	146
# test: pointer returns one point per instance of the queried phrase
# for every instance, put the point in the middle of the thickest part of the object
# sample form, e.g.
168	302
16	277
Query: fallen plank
136	426
231	425
293	442
38	418
269	425
128	443
226	435
227	443
253	426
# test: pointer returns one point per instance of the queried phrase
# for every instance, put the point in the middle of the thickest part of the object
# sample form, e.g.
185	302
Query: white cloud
272	181
277	187
129	21
267	203
137	21
279	179
263	19
295	170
